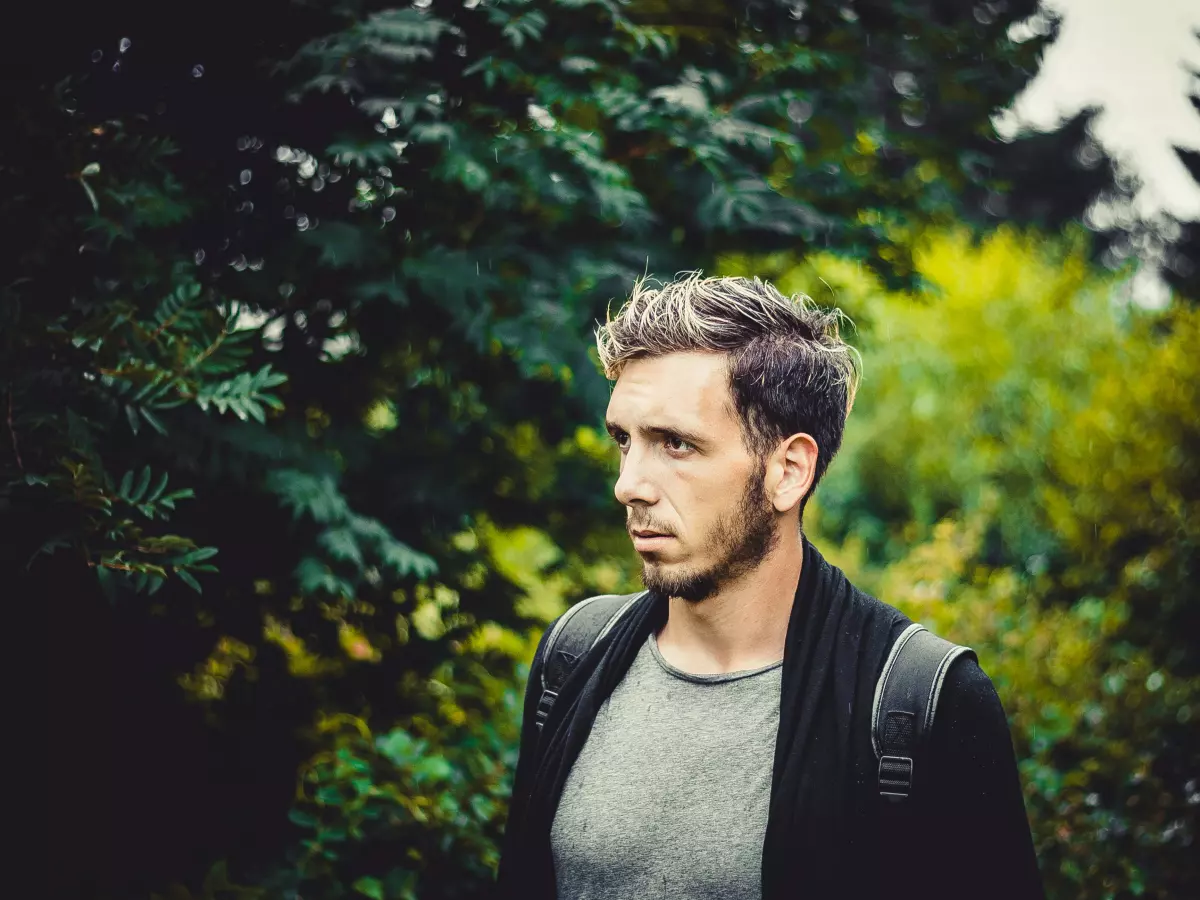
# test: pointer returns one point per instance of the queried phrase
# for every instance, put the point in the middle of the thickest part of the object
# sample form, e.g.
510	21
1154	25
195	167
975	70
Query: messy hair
789	369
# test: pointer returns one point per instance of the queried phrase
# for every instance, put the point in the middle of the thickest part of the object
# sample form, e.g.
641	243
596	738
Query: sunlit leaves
1012	477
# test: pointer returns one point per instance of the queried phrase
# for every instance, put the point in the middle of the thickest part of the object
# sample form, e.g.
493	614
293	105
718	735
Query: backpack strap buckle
895	777
543	708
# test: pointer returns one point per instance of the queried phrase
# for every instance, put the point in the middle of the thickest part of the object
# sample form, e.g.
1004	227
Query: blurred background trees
1021	473
303	437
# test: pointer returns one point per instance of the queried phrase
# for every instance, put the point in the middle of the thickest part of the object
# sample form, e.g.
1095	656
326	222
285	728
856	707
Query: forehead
688	390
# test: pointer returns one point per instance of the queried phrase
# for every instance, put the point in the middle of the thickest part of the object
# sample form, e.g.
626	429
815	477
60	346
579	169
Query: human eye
618	437
676	439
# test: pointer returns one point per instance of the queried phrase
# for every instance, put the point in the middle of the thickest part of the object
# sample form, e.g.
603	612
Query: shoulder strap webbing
906	698
575	633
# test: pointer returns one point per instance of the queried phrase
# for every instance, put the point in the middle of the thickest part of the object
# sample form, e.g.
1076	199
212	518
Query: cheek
702	518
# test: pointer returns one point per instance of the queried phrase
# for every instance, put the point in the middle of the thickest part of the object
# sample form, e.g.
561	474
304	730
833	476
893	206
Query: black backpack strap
906	698
574	634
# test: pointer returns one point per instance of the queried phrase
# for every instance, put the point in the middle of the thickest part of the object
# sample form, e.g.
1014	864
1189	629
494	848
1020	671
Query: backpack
906	694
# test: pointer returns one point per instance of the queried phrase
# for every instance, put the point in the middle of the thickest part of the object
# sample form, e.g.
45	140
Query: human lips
649	540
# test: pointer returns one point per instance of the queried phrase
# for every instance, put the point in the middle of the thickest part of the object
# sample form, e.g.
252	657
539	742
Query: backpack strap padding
575	633
906	698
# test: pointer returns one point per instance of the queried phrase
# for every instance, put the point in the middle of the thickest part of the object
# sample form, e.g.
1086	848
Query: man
716	743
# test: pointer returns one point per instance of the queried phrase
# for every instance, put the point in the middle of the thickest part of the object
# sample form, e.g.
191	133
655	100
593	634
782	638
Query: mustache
632	527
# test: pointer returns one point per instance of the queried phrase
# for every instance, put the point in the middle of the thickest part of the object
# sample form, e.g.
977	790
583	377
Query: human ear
794	468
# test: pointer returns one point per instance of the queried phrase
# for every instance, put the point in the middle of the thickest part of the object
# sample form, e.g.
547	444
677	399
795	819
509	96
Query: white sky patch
1133	60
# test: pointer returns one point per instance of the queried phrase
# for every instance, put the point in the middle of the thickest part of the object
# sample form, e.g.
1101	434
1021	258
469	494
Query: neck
742	626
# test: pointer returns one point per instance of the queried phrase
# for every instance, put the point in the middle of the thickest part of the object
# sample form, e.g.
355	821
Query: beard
739	542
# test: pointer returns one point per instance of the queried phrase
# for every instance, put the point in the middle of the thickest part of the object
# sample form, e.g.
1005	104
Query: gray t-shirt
669	796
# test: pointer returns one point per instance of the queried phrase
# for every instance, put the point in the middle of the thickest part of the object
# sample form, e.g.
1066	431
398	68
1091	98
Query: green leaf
397	746
302	818
126	484
342	544
108	582
388	288
197	555
143	483
131	415
432	768
186	577
370	887
91	195
158	489
152	421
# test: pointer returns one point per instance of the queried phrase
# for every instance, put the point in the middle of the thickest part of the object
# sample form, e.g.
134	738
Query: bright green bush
1016	475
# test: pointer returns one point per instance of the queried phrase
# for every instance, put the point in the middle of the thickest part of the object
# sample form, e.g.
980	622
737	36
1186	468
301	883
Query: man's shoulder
967	698
969	708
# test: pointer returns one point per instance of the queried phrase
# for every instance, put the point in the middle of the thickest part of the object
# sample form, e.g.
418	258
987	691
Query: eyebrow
661	431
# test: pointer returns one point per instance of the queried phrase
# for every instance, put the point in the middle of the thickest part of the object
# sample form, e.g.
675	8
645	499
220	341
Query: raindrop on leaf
125	44
197	71
244	176
199	257
117	66
97	55
388	213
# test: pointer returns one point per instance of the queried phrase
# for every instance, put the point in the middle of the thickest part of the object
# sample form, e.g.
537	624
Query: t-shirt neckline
716	678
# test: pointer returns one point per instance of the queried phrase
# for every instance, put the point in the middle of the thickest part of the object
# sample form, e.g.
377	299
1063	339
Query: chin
690	586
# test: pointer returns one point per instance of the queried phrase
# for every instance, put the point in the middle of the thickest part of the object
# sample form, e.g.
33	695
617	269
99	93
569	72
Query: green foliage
1106	737
116	367
330	275
418	809
1012	476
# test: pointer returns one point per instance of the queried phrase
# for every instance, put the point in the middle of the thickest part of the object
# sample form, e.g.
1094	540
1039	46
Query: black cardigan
829	834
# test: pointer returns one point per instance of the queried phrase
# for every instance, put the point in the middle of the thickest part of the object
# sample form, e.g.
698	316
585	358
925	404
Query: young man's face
686	474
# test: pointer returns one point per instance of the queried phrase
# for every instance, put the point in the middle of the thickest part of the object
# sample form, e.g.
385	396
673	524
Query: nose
633	486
